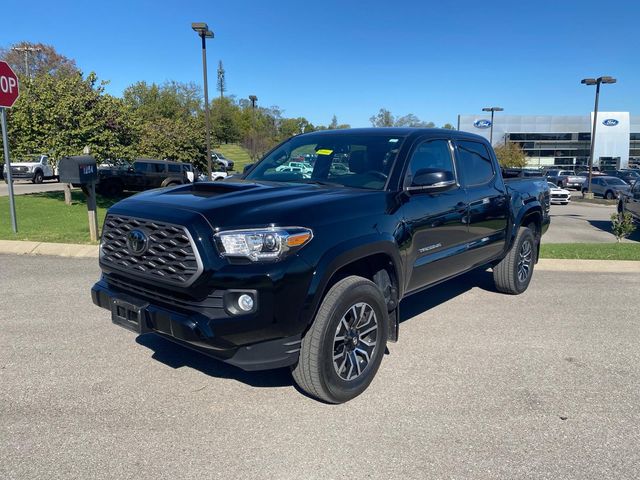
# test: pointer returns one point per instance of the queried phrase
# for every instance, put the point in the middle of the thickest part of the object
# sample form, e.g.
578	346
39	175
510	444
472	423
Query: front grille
170	255
559	195
19	169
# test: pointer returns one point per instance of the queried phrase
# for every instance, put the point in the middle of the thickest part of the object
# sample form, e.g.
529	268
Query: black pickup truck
278	268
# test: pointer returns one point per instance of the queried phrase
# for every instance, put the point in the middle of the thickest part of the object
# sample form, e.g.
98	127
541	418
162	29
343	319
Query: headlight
262	244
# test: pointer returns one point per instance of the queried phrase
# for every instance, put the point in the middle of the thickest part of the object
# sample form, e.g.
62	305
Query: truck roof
399	131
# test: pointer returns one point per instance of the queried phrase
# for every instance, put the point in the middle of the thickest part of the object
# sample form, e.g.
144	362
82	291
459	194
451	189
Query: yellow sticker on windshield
324	151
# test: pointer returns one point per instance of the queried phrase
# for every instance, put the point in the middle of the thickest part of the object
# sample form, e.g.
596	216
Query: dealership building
564	140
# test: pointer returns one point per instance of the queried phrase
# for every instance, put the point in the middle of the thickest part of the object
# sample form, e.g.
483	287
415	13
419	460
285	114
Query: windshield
567	172
349	160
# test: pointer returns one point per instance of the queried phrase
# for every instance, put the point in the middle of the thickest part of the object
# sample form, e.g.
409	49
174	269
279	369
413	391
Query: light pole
202	29
596	82
492	110
253	100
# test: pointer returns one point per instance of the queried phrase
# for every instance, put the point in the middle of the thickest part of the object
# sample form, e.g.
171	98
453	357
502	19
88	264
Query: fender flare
343	254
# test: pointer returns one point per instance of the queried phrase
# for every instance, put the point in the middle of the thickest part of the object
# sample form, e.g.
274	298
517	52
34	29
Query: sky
350	58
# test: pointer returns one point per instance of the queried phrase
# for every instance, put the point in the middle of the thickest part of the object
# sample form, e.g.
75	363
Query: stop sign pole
9	92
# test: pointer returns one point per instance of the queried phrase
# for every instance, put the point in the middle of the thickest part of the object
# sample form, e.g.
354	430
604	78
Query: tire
342	379
513	274
38	177
560	184
609	195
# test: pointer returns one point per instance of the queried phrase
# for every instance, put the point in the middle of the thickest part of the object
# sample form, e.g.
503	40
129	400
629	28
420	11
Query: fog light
245	302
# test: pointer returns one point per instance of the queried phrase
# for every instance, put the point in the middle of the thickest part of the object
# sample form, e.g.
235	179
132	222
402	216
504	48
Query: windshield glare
349	160
615	181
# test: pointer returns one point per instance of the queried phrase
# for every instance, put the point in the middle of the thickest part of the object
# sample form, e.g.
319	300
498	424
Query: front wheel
342	350
513	274
38	177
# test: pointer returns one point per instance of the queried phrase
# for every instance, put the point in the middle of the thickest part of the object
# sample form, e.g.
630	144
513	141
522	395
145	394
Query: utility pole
26	50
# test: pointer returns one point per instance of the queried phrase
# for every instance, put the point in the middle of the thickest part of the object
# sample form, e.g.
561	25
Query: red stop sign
8	86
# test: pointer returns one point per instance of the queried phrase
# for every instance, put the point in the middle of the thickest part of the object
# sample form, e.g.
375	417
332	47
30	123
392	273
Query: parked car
630	176
565	179
215	176
36	168
143	174
559	195
221	161
630	201
607	187
277	270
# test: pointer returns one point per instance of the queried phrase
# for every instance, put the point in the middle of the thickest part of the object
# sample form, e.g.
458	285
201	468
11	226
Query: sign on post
9	93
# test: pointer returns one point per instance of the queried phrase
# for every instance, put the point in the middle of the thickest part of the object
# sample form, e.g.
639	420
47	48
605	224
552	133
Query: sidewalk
18	247
91	251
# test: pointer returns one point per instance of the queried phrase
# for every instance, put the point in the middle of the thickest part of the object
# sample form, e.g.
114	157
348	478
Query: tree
448	126
222	83
39	59
60	116
511	155
383	118
224	113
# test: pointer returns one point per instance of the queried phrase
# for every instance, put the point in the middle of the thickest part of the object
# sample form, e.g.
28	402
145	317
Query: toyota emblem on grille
137	242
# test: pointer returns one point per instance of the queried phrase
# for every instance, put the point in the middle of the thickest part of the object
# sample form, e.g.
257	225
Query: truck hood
244	204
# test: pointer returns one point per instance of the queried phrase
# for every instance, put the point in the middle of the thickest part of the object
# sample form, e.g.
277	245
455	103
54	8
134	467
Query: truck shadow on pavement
424	301
176	356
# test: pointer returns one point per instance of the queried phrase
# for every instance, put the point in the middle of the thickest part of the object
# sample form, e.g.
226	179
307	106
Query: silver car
607	187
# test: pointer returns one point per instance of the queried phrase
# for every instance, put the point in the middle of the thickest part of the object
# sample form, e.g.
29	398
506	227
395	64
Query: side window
141	167
475	163
45	162
432	154
174	168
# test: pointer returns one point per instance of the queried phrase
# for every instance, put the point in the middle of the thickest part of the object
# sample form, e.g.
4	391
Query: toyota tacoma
278	269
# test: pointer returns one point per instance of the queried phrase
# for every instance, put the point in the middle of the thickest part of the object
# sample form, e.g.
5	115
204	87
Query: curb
18	247
594	266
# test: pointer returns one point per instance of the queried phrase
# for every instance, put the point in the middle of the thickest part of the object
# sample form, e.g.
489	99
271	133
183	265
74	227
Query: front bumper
197	328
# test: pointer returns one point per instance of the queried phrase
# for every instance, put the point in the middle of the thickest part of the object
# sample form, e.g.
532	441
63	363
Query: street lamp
596	82
492	110
26	50
202	29
253	100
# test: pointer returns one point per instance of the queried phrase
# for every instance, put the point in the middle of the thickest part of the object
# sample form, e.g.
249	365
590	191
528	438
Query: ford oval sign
482	123
610	122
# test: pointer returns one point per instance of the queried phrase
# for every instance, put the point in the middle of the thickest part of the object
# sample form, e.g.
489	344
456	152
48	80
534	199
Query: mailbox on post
82	171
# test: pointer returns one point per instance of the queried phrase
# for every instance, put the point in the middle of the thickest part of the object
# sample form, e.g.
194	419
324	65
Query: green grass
44	217
591	251
235	152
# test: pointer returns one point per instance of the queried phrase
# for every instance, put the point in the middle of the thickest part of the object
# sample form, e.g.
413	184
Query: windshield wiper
319	182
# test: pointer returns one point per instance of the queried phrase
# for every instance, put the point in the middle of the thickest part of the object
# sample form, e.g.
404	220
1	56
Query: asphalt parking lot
23	187
582	223
481	385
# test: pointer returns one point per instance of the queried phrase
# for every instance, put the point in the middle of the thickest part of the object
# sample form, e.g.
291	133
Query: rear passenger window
174	168
475	163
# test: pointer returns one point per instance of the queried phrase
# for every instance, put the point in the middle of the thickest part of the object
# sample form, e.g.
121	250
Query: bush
622	225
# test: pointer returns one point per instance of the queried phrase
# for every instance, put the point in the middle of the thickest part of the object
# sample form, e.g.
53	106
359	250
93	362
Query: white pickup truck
36	168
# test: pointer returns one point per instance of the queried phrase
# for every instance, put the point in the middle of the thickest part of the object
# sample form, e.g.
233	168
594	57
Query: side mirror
247	168
431	180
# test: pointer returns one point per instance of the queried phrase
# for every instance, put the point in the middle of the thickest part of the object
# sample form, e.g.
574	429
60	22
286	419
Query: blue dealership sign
482	123
610	122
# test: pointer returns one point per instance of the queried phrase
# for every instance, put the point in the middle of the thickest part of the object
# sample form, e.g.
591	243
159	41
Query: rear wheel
609	195
513	274
342	350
